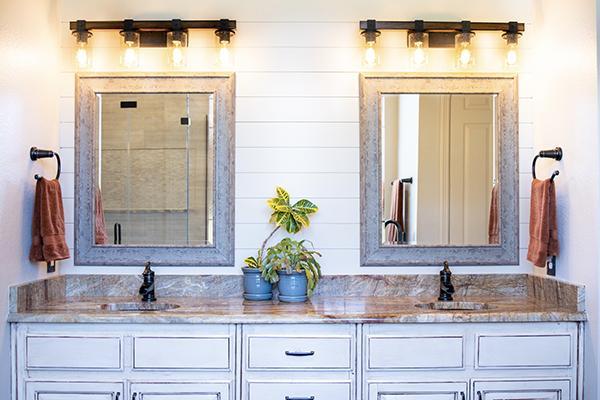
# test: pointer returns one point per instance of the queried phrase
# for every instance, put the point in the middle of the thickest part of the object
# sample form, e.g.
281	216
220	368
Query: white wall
28	117
297	67
566	115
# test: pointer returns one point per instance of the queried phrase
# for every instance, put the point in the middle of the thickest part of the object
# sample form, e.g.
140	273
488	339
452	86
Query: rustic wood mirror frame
222	86
372	87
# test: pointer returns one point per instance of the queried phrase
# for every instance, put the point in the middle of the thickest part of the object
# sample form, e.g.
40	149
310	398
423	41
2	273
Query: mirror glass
154	166
439	170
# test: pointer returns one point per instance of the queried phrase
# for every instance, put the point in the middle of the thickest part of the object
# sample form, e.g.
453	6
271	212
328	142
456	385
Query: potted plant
295	267
292	218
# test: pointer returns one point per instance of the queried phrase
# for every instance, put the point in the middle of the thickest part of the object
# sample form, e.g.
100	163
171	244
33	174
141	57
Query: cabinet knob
134	396
479	395
462	396
299	354
117	395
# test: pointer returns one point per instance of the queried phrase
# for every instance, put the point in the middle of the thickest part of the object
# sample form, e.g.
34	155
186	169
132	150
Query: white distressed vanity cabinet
428	361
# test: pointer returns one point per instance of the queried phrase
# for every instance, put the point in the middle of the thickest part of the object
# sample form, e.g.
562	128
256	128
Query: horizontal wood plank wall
297	66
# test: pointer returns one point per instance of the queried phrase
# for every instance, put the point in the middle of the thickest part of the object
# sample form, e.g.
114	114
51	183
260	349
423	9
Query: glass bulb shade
464	49
418	42
512	49
83	53
130	49
177	48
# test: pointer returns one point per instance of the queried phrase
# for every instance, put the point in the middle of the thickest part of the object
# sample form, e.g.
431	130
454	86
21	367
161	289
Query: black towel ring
36	154
555	154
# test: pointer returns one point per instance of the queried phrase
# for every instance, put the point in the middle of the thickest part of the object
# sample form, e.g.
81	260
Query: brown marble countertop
320	309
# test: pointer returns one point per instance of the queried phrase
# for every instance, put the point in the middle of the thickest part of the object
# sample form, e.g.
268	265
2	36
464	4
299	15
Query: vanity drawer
299	352
525	351
73	352
181	353
294	390
410	352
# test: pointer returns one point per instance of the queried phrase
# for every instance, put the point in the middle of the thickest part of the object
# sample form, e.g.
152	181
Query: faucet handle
147	269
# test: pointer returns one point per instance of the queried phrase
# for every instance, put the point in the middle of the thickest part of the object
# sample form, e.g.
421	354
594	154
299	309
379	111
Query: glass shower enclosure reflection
154	169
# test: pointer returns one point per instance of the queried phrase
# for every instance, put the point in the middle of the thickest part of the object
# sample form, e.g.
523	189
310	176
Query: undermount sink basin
136	307
454	305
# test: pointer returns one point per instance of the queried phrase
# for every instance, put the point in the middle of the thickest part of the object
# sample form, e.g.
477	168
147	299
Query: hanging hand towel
100	224
396	211
48	226
543	229
494	221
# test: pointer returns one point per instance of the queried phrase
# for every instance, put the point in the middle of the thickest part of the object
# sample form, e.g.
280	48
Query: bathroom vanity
379	341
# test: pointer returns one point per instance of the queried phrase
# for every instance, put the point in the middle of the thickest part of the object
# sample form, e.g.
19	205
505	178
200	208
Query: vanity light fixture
462	46
83	52
224	34
177	40
512	44
437	34
130	45
418	42
370	33
170	34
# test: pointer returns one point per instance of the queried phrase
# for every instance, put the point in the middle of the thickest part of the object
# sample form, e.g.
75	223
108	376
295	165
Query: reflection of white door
471	168
456	147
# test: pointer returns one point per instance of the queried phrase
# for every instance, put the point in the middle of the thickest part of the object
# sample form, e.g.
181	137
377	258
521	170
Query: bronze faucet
446	286
147	288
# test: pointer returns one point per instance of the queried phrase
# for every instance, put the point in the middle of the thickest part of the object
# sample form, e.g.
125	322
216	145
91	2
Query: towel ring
35	154
555	154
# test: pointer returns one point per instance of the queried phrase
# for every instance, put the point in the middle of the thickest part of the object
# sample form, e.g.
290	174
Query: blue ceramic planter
292	287
255	287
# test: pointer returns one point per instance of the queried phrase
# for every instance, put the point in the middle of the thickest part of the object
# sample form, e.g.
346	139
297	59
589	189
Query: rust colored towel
396	210
543	230
494	221
48	226
100	224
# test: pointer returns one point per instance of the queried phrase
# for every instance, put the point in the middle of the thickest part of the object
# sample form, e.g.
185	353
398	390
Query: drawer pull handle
299	354
462	396
299	398
479	396
117	395
134	396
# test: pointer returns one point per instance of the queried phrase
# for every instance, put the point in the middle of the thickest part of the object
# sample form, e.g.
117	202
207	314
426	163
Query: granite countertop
366	299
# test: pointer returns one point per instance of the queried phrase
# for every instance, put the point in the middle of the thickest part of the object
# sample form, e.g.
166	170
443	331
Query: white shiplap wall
297	66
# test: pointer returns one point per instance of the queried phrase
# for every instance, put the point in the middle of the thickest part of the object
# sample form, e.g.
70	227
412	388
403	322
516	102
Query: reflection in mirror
439	170
154	169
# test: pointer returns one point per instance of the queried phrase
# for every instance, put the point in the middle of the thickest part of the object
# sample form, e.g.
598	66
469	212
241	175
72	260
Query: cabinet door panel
180	391
74	391
418	391
522	390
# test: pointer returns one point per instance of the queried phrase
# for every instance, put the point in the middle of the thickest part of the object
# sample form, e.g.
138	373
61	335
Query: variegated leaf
305	206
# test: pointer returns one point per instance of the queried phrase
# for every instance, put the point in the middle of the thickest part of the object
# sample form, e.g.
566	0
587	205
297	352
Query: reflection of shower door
154	168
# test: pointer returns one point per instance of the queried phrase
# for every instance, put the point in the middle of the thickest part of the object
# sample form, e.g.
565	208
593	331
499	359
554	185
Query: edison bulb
419	57
512	57
82	57
370	56
465	56
130	57
224	56
177	56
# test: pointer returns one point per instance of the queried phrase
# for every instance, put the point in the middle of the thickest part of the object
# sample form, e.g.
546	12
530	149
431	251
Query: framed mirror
154	174
439	169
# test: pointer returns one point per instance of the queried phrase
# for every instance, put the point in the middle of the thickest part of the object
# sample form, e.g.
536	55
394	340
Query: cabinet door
74	391
522	390
418	391
180	391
